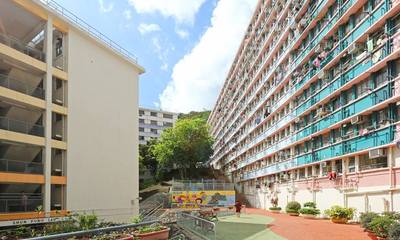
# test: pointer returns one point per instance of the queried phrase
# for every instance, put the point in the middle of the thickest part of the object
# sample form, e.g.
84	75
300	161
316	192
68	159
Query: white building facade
152	123
309	110
69	110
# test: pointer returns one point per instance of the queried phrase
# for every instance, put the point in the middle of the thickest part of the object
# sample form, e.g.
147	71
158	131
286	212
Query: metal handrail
18	45
21	126
92	231
19	86
193	224
9	165
84	26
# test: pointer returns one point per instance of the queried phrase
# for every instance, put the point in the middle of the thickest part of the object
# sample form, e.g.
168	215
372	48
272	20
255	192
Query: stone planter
308	216
293	214
160	235
339	220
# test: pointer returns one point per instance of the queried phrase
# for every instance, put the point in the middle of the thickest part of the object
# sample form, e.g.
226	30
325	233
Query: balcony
7	165
21	127
21	47
20	202
20	86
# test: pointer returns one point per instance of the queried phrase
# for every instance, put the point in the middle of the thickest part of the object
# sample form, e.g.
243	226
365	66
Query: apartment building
68	116
309	110
153	122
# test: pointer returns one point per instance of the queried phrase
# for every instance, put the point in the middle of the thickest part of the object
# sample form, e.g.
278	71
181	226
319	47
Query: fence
92	232
204	229
202	185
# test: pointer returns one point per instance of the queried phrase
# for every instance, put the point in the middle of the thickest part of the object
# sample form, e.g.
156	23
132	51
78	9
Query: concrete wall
371	192
102	155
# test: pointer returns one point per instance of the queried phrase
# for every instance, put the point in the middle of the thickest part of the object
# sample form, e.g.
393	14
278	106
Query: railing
17	202
7	165
201	227
92	232
82	25
21	127
22	47
205	185
19	86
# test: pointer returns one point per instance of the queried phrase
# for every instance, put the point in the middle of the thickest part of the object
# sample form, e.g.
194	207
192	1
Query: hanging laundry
370	45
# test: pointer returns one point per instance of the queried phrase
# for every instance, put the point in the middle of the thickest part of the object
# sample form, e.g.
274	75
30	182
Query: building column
345	168
48	119
357	163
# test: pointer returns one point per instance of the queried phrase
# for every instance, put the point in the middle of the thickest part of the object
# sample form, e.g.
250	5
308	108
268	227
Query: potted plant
152	232
309	210
275	208
394	231
292	208
366	219
340	214
380	226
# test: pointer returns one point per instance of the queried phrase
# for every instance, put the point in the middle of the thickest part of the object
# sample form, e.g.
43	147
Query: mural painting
195	199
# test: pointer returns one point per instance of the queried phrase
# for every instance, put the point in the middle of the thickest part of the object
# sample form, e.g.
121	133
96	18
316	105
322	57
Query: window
165	115
154	130
141	129
153	114
141	120
352	165
153	122
167	124
367	163
338	166
141	138
141	112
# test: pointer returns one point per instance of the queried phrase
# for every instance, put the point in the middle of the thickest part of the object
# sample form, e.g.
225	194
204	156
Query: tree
192	115
184	146
146	158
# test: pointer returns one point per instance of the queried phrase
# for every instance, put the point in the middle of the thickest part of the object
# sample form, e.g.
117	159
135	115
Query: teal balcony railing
374	138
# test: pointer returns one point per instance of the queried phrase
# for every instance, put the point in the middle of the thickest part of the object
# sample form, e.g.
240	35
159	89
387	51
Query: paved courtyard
259	224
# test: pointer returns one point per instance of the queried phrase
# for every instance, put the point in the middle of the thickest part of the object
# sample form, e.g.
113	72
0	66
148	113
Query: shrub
310	205
394	231
87	222
392	215
137	219
366	218
309	211
338	212
380	226
149	229
275	208
293	207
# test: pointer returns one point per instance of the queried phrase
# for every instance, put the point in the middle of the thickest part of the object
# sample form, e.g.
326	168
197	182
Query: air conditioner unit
58	137
376	153
352	48
297	120
357	119
321	74
59	101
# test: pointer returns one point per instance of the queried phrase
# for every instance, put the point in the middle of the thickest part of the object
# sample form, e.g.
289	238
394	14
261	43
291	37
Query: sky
186	46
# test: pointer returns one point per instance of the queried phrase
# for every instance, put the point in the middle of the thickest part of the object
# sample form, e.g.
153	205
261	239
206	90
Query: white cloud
148	28
197	78
183	11
162	53
104	8
182	33
127	14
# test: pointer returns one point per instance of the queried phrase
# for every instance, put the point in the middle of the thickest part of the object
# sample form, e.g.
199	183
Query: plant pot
339	220
308	216
127	237
372	235
293	214
160	235
275	211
